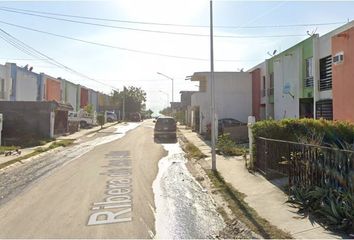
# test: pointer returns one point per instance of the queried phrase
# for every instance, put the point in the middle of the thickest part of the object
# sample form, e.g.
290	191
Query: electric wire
156	31
173	24
35	53
121	48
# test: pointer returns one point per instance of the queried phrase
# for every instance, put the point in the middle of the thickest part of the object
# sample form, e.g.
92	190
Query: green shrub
330	132
100	120
227	146
332	207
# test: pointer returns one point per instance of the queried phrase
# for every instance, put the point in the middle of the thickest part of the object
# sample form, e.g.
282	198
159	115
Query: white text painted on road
117	206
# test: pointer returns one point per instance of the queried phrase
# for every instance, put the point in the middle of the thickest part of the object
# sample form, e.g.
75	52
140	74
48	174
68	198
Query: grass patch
243	211
228	147
193	152
4	149
61	143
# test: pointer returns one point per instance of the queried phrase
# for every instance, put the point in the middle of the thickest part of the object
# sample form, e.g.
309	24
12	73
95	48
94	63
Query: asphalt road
105	193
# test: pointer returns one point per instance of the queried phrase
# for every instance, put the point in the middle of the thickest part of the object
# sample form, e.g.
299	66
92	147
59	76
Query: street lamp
168	96
168	78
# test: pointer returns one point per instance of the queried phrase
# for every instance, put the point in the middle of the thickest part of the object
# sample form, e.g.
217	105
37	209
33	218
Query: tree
100	120
166	111
133	97
89	109
147	113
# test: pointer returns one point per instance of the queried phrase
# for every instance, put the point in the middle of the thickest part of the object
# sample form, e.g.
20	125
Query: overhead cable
121	48
157	31
174	24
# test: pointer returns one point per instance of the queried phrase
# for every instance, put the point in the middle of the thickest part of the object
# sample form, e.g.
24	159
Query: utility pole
123	114
212	88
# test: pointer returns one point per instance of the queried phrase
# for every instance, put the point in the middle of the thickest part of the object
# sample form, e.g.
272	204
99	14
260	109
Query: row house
70	93
21	84
49	99
186	101
310	79
93	99
232	98
51	88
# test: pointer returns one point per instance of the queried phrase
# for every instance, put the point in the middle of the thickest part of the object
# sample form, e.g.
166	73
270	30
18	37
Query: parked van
135	117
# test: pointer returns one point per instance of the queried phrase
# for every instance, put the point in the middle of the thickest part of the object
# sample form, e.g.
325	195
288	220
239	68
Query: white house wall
71	95
93	97
233	98
26	85
5	74
287	70
203	101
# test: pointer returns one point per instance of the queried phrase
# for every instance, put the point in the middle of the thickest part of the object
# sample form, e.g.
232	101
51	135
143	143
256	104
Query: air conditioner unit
338	58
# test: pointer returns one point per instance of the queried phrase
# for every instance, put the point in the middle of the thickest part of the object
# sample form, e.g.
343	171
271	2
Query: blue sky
117	67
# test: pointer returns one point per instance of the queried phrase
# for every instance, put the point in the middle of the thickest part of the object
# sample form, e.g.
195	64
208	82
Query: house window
338	58
308	73
271	85
263	86
326	73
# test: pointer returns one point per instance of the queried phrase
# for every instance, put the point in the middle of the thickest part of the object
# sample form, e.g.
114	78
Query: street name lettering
117	205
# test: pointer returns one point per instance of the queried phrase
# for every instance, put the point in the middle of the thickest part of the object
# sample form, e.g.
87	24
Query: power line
154	31
35	53
121	48
23	59
173	24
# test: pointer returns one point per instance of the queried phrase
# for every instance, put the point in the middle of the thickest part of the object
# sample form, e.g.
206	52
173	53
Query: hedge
332	132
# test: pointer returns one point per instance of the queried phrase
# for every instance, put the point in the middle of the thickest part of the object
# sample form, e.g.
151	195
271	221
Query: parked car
111	116
225	123
135	117
165	127
86	119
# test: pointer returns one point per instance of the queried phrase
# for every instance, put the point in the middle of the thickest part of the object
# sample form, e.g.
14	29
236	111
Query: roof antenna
272	54
312	33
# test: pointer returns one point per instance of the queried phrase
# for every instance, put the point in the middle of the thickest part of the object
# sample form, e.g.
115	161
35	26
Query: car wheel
83	124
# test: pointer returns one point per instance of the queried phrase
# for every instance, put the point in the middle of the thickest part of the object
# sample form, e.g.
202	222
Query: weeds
193	152
228	147
38	150
4	149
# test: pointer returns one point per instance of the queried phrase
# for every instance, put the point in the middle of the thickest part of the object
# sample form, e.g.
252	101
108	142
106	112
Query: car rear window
165	121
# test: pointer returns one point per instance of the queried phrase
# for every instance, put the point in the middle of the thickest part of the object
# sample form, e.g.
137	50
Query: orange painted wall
83	97
53	90
343	76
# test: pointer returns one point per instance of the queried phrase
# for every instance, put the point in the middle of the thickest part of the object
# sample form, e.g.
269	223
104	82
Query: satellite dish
274	52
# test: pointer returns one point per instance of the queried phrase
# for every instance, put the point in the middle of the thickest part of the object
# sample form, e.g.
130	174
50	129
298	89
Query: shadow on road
165	140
